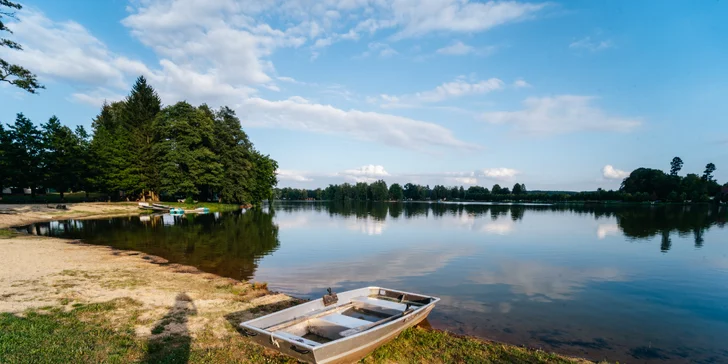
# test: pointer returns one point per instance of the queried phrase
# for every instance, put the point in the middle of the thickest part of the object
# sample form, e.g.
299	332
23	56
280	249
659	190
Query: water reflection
594	281
228	244
544	282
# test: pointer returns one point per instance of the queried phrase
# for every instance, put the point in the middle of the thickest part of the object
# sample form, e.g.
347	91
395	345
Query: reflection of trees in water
228	244
635	222
645	223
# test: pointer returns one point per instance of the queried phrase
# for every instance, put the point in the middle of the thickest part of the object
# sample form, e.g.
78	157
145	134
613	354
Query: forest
139	150
642	185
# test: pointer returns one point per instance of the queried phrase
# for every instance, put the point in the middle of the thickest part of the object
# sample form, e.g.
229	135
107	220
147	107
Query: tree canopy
140	150
14	74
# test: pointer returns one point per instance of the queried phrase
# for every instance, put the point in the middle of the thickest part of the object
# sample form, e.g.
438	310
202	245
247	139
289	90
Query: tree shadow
171	341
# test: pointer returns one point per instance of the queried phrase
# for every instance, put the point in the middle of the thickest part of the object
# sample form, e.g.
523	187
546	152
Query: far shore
132	307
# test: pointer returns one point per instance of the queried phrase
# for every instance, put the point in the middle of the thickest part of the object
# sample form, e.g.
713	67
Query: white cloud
610	172
369	173
368	170
499	174
520	83
561	114
465	180
458	88
457	48
591	45
418	18
382	49
288	79
288	175
98	98
63	51
387	129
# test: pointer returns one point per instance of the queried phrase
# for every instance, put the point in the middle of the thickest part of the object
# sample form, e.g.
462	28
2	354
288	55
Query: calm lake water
634	284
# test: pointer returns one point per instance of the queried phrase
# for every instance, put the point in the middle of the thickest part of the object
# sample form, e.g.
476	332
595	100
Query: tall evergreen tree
675	166
140	109
185	150
63	157
25	157
235	152
5	144
85	161
109	151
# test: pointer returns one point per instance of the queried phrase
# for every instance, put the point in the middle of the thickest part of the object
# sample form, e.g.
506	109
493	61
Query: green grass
418	345
7	234
54	336
104	332
213	206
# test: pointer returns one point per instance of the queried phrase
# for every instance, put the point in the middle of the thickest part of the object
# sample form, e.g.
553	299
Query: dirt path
21	214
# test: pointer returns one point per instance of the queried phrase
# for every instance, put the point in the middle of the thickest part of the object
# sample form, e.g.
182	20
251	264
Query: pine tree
25	155
5	144
140	109
63	157
235	152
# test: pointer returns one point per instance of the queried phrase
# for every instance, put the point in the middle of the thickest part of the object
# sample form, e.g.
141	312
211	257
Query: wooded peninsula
139	150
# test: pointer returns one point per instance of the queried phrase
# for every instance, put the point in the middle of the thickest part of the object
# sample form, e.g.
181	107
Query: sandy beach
20	214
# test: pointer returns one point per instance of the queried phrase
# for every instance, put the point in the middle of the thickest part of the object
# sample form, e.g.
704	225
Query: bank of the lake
63	301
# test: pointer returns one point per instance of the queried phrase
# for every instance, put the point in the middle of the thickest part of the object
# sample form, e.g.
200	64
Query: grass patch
418	345
213	206
79	274
104	332
7	233
55	336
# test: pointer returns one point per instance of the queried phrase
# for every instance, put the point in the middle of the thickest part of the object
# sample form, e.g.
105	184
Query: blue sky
557	95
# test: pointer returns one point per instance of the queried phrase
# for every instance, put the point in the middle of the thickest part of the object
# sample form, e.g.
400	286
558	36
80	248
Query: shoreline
14	215
161	301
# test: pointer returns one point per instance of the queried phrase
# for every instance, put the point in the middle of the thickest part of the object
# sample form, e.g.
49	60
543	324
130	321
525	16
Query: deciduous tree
14	74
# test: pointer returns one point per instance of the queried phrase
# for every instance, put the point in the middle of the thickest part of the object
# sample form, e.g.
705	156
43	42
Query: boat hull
345	350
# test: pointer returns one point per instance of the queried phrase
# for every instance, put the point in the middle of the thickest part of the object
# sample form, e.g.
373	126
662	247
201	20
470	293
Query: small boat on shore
159	205
340	328
153	207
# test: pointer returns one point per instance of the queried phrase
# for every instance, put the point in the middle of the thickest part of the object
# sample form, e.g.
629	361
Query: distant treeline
140	150
642	185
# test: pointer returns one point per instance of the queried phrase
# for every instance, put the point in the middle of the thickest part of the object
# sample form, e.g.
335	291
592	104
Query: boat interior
356	315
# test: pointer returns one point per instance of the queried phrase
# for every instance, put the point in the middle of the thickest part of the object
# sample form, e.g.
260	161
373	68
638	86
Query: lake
628	283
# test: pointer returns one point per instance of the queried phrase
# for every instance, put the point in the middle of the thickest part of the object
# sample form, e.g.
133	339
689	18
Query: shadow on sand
171	341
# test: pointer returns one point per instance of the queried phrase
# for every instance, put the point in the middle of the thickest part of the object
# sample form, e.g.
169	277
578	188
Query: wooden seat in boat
378	305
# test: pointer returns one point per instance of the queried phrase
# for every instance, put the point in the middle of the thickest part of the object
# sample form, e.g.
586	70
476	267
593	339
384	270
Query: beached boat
340	328
146	206
159	205
176	211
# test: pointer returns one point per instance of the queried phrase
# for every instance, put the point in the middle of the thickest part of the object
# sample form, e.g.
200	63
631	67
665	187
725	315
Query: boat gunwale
245	325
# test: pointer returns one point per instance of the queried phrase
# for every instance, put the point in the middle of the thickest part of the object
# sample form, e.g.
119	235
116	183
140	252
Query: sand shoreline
24	214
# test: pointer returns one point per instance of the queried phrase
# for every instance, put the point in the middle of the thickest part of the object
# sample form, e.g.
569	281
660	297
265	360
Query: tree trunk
62	195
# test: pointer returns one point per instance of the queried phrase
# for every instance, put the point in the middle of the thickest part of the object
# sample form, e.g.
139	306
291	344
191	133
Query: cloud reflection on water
544	282
384	266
